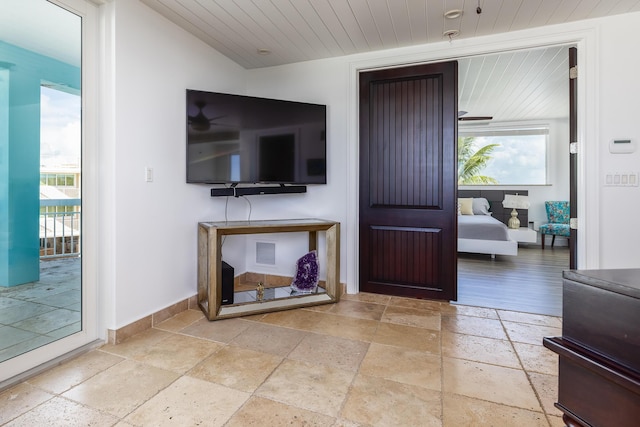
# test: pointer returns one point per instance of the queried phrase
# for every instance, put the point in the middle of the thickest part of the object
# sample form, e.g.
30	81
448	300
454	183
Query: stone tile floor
35	314
370	360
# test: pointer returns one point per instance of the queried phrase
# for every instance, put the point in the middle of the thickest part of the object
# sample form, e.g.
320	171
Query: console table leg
333	262
313	241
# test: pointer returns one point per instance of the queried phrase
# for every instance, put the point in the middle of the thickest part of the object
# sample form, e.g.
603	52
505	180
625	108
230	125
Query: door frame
27	364
584	39
573	157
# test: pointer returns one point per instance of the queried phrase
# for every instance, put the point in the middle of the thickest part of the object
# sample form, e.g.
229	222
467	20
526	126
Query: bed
485	231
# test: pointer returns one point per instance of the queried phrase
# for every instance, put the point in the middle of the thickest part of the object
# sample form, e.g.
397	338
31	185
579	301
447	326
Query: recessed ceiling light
264	51
451	33
453	14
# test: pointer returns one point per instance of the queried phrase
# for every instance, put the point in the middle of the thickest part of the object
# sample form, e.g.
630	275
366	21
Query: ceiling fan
200	122
463	118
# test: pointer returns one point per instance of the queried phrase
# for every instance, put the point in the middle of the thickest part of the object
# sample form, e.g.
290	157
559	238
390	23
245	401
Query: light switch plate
621	179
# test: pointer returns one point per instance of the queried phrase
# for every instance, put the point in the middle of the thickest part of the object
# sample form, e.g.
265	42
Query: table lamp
515	202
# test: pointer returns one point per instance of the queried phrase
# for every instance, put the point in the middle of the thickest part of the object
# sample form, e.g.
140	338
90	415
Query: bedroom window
503	156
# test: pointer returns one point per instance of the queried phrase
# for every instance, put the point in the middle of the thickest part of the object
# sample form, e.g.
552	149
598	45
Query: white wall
149	257
618	118
153	225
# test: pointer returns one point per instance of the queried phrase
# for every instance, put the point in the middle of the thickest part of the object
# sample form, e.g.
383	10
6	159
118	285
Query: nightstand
523	234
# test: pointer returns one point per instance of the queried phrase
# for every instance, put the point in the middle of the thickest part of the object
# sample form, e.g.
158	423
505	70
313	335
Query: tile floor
35	314
370	360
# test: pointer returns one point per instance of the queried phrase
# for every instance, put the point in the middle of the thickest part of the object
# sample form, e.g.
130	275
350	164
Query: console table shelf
210	236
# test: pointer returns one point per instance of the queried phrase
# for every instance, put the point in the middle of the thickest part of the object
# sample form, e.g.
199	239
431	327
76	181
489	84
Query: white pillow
466	205
481	206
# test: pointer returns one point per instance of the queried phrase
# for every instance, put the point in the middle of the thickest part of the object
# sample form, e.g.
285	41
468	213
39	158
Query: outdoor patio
37	313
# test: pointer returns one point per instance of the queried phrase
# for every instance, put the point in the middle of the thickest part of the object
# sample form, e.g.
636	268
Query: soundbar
252	191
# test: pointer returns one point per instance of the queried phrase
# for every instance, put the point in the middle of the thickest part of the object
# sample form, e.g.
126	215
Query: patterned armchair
558	225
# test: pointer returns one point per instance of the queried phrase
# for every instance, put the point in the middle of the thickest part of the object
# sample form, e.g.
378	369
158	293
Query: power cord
250	207
226	216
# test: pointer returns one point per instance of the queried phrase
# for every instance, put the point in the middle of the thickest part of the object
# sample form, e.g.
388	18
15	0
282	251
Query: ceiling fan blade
226	125
213	119
474	118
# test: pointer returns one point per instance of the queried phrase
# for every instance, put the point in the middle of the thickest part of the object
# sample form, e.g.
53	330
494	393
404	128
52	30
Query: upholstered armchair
558	225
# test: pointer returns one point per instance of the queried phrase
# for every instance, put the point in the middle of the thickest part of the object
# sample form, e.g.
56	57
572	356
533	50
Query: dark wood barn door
408	134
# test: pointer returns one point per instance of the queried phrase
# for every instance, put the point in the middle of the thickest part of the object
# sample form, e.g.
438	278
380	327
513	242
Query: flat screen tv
236	139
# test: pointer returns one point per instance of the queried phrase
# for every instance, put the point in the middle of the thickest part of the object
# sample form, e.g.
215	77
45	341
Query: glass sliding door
41	215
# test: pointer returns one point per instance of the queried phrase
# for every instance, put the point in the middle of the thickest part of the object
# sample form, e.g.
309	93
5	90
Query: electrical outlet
266	253
148	174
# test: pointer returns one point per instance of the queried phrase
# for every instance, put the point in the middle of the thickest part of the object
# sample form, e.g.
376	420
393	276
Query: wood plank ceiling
520	85
301	30
264	33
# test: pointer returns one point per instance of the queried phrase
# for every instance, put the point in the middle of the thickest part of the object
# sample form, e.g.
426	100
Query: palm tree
472	161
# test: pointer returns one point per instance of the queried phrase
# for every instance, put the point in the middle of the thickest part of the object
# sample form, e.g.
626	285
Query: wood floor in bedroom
530	282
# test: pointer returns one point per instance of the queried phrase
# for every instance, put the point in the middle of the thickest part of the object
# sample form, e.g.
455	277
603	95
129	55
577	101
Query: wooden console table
210	265
599	369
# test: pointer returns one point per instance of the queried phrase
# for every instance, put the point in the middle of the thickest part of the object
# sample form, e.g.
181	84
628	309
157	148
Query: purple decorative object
306	278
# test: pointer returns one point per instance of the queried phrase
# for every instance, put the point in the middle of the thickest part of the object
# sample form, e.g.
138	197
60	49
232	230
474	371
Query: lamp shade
515	201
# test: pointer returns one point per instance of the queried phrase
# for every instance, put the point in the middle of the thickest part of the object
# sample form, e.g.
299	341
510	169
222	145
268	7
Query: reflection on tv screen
242	139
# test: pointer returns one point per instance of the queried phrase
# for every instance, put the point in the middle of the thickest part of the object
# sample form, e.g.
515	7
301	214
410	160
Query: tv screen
244	139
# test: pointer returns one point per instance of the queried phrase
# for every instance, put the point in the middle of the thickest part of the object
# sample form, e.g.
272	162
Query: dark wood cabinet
599	350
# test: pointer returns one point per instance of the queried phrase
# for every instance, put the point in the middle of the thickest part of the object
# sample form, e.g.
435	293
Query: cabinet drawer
595	399
592	390
603	321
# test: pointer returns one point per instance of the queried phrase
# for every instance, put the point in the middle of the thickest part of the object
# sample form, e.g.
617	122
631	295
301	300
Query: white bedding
484	227
484	234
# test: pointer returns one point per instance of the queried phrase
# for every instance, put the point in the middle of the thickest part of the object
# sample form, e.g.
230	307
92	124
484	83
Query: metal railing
60	230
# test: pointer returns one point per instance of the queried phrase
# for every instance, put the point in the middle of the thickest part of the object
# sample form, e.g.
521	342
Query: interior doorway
535	95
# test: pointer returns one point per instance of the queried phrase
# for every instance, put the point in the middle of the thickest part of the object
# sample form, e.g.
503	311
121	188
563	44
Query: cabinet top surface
621	281
269	223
